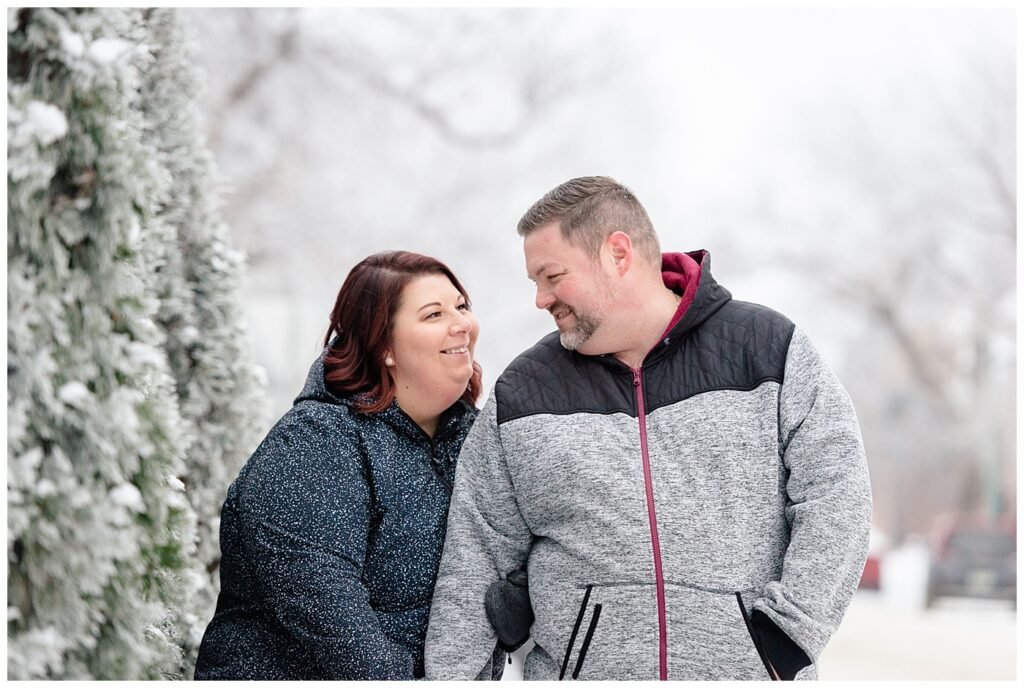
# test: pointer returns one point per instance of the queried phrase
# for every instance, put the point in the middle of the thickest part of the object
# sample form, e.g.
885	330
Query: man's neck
648	324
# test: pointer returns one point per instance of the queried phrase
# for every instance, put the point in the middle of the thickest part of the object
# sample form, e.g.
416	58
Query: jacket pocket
620	641
587	639
753	638
707	637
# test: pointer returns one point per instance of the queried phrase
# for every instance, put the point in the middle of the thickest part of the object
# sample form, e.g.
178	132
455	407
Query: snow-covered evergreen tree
101	537
220	390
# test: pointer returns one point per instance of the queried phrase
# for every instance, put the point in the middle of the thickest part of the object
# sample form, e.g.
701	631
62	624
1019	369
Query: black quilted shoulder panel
738	347
549	379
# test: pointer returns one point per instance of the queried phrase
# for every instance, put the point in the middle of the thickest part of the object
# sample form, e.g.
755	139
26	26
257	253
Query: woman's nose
460	324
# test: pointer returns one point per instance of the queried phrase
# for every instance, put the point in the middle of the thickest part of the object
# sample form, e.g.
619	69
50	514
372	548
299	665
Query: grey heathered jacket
685	520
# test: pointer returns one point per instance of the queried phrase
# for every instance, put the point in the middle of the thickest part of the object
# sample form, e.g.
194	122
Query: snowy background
853	169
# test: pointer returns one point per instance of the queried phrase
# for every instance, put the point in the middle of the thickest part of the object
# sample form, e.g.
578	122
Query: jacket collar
689	275
451	422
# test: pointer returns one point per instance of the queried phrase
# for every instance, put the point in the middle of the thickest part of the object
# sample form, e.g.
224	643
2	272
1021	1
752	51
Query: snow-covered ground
890	635
961	639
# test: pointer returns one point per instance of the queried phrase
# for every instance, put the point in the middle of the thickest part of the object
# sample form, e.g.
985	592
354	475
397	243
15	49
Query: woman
332	533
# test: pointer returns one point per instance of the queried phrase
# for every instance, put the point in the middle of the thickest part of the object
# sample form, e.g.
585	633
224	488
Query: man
680	473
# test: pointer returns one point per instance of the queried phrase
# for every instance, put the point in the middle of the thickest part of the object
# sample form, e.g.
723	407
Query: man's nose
544	299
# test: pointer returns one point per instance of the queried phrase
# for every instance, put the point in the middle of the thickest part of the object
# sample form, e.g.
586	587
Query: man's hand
508	609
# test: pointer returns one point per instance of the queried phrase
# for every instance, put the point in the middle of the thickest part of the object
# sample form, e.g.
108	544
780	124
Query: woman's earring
388	361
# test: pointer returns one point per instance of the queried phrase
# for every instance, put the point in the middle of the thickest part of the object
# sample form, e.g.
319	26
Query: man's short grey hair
588	209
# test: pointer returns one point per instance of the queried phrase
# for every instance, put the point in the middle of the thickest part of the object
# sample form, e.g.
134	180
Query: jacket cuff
784	654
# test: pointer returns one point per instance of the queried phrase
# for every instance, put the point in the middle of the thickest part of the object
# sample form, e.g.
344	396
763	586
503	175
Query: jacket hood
451	420
315	388
689	275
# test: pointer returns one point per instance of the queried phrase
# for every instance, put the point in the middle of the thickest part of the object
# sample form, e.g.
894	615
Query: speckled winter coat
330	541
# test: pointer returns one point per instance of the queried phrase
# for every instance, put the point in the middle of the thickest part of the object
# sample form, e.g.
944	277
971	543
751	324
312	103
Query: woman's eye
435	314
463	306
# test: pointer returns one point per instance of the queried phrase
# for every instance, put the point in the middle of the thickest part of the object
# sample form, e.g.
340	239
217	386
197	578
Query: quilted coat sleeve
305	514
828	509
487	537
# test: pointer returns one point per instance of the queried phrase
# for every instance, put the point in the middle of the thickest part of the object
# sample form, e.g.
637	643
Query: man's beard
580	332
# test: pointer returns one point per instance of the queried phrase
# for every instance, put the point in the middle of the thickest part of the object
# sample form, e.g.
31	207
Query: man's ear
620	251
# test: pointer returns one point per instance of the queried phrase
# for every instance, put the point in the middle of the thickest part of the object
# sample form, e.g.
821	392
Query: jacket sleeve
305	513
487	537
828	510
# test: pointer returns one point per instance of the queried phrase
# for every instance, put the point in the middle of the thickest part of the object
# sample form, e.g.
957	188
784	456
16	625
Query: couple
672	486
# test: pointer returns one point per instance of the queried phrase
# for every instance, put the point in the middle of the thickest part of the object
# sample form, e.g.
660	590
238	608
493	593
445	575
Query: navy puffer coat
330	541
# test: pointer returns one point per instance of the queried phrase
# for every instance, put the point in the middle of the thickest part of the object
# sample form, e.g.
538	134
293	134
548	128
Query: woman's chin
454	392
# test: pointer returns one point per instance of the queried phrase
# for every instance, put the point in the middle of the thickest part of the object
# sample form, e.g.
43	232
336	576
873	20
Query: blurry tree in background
220	391
470	79
116	265
98	543
346	132
919	205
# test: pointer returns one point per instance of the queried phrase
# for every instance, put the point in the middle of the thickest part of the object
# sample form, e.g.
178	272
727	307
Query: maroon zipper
659	578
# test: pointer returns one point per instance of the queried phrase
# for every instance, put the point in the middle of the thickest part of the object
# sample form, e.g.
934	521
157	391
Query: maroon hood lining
681	274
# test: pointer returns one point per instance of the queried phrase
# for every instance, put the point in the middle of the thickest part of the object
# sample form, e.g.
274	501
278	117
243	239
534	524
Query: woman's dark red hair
361	323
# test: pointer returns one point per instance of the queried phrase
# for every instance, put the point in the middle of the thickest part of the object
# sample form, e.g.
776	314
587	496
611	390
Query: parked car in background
871	579
973	556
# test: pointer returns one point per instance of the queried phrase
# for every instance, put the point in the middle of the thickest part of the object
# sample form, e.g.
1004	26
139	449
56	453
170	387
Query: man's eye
556	275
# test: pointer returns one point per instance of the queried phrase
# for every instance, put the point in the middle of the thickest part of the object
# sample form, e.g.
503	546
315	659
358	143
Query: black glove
508	609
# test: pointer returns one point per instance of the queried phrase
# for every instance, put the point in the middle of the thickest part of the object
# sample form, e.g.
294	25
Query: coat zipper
659	578
438	467
435	461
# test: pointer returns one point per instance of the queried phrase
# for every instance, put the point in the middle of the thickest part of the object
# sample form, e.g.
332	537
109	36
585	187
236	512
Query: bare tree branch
880	304
284	50
538	86
431	114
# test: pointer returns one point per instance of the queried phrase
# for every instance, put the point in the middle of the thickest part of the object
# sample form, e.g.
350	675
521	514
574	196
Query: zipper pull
636	377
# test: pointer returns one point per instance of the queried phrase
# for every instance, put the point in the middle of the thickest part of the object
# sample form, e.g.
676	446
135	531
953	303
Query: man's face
570	285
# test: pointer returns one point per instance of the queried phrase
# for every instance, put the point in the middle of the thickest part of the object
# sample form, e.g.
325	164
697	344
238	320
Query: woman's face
433	340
